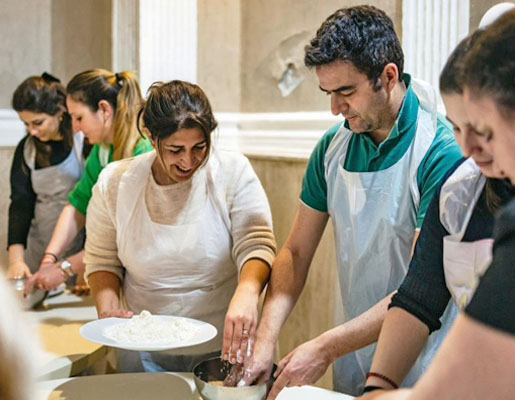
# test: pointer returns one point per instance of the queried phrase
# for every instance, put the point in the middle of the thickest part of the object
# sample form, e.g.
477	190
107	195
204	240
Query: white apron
374	220
183	270
51	185
464	262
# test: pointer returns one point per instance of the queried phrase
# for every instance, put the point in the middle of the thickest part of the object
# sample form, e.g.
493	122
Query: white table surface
65	352
150	386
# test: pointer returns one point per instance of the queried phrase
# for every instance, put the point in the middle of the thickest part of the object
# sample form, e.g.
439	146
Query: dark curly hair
177	105
490	64
362	35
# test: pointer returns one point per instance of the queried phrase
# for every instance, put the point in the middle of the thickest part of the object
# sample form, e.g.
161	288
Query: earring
61	118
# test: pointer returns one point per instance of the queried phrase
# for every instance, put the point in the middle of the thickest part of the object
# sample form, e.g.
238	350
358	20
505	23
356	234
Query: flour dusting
146	328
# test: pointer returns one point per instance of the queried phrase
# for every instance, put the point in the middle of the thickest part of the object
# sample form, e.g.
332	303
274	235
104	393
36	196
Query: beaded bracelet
384	378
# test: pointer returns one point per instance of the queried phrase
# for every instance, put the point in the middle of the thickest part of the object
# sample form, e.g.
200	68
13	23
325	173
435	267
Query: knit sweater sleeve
101	248
249	212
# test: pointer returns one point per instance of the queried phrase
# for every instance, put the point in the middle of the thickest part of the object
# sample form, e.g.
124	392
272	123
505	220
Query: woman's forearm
105	289
254	276
400	342
68	225
475	361
15	253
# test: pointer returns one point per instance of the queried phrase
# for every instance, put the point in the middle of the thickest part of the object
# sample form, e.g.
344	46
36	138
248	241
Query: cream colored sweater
176	204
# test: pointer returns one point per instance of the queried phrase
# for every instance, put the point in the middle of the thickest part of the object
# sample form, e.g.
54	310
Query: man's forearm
287	280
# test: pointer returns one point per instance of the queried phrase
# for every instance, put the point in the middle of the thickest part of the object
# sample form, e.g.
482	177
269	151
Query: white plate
94	331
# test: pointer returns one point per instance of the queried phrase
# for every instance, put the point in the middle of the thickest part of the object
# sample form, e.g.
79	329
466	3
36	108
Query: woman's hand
49	277
18	269
115	313
240	326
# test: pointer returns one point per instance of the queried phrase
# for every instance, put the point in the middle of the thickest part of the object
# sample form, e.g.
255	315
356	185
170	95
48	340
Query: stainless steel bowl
216	369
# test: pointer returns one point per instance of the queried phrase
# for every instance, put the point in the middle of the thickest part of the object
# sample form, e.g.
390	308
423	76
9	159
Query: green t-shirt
81	193
363	155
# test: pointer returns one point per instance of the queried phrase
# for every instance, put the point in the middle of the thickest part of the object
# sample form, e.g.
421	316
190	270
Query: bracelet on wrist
384	378
49	254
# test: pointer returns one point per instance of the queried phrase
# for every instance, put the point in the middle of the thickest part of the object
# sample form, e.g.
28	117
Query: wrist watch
67	268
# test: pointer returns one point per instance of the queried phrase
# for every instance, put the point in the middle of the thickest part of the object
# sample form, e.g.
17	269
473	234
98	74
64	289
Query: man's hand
303	366
259	367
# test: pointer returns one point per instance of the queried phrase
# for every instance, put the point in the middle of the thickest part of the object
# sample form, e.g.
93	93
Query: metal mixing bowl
216	369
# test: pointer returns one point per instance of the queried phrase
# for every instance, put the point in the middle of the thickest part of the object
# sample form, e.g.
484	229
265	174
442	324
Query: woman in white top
185	230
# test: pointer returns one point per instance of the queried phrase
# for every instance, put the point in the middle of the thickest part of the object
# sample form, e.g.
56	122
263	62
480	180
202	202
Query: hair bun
50	78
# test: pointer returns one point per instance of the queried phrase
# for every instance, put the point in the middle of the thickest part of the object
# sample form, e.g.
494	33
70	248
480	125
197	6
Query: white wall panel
431	29
167	41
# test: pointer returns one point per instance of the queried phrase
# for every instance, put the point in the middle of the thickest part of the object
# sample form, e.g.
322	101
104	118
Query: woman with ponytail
47	163
104	106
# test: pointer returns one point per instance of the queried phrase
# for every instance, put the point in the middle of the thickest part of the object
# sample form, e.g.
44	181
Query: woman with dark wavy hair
47	163
184	230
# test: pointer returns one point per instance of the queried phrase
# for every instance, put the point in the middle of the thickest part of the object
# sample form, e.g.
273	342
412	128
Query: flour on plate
150	329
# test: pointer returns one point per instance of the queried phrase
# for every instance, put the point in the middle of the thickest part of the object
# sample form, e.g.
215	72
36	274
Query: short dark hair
362	35
490	64
177	105
451	78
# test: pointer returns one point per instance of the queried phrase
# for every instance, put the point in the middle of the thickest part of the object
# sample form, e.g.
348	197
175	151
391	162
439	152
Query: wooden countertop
65	352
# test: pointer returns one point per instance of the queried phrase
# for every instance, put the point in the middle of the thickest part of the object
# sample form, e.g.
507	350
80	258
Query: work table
65	352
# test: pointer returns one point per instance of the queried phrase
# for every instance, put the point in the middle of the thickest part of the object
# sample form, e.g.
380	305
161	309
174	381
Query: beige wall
319	304
266	51
81	36
241	59
478	9
63	37
218	53
25	48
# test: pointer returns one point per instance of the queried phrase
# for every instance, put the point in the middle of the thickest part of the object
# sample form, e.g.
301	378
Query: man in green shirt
373	175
